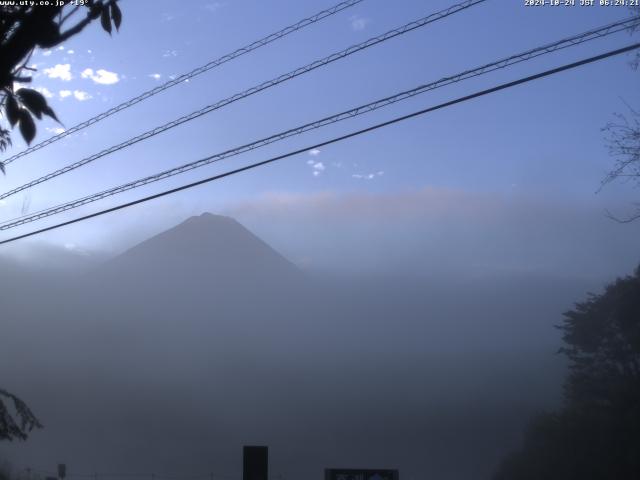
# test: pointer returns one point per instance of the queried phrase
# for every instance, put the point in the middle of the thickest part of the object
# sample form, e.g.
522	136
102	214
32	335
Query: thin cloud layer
367	176
426	231
441	229
359	23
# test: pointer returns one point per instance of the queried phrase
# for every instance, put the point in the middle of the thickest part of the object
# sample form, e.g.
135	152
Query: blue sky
539	141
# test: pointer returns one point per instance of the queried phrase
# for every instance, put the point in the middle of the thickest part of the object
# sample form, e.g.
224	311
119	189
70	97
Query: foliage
623	140
16	424
5	471
596	435
635	11
23	28
602	336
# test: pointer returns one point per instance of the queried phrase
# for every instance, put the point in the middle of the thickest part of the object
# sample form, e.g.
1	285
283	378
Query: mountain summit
208	249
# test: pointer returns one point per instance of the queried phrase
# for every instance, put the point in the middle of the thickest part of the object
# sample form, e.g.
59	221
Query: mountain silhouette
200	253
208	279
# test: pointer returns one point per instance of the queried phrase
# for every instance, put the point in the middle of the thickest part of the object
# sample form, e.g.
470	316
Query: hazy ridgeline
171	356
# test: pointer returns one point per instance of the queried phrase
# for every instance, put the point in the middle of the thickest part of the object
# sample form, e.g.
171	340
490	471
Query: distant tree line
596	434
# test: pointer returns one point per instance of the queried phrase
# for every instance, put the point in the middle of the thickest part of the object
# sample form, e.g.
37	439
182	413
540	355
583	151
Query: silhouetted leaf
16	424
12	109
33	100
105	20
36	102
95	10
2	168
5	139
27	126
49	112
116	15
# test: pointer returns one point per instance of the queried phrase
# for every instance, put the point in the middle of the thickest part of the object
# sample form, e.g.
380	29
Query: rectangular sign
255	463
359	474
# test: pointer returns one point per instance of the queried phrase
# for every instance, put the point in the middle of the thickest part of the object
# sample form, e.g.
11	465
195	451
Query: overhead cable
331	141
189	75
251	91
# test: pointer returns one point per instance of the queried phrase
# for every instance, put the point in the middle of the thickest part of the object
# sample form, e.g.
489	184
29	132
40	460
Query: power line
362	109
253	90
333	140
193	73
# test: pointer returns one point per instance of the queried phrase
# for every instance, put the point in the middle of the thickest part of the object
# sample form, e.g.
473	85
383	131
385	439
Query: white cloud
81	95
61	71
18	86
45	91
310	162
61	47
65	93
55	130
101	76
367	176
77	249
213	7
318	167
170	53
359	23
3	203
71	52
46	53
155	76
315	152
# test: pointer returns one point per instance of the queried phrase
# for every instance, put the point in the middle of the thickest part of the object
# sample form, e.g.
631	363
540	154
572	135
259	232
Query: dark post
255	463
